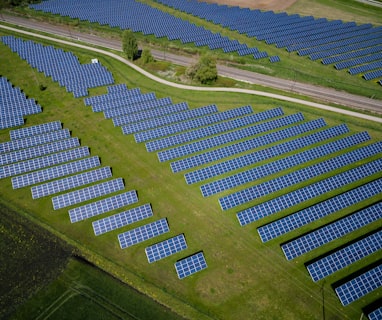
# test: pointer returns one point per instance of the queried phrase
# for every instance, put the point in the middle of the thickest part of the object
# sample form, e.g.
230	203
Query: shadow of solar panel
190	265
54	172
71	182
281	164
260	155
166	248
320	210
92	192
243	146
122	219
360	286
32	141
200	121
211	130
345	256
143	233
101	206
47	161
332	231
227	137
38	151
35	130
298	176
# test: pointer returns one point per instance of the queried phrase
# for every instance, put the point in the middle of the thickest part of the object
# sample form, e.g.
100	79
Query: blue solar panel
298	176
330	232
360	286
190	265
81	195
47	161
127	104
101	206
228	137
35	140
345	256
34	130
143	233
376	314
210	130
38	151
122	219
257	142
166	248
71	182
54	172
320	210
281	164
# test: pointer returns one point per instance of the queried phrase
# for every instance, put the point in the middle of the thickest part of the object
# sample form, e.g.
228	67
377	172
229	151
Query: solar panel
332	231
166	248
345	256
298	176
54	172
38	151
81	195
320	210
281	164
190	265
241	146
47	161
122	219
101	206
71	182
143	233
360	286
376	314
31	141
34	130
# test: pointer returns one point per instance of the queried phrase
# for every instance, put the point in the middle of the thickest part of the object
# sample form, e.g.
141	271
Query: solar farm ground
244	277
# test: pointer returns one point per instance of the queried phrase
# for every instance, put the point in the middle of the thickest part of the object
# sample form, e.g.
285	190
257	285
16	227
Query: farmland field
244	279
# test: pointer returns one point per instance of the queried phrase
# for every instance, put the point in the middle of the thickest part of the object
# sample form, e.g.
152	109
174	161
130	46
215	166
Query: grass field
245	278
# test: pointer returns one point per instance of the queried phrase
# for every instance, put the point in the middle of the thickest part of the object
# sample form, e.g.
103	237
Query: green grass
244	277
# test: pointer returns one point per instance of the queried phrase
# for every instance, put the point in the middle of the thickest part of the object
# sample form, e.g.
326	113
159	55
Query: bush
204	71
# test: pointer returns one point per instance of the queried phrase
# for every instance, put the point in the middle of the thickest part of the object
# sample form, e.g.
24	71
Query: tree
129	44
146	56
204	71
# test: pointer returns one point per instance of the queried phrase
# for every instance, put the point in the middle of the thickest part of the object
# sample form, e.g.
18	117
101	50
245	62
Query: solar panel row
301	218
122	219
360	286
190	265
309	172
143	233
270	168
263	154
88	193
35	130
241	146
131	102
345	256
376	314
101	206
166	248
332	231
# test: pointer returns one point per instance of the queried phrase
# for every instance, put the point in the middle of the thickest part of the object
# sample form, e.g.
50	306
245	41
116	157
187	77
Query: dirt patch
275	5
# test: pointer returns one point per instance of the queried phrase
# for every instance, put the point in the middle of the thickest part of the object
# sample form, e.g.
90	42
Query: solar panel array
14	105
345	256
332	231
359	286
63	67
127	15
190	265
122	219
166	248
143	233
